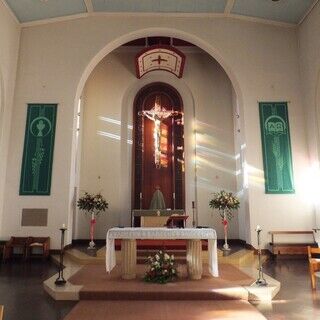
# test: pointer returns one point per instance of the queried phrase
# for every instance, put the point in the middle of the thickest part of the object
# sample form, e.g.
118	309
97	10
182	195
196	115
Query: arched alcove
190	195
163	168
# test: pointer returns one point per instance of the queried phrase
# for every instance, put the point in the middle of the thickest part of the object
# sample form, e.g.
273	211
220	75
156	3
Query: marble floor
22	293
296	300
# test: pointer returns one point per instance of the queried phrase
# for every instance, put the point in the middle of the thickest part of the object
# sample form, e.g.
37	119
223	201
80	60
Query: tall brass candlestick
261	281
60	280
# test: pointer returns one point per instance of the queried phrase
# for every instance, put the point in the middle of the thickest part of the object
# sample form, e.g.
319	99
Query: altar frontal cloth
163	234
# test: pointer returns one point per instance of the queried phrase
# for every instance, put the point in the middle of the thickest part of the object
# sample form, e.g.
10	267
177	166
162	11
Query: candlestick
60	280
261	281
193	215
140	202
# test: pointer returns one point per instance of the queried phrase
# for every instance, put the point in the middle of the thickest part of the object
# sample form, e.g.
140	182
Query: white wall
309	48
261	61
9	46
101	161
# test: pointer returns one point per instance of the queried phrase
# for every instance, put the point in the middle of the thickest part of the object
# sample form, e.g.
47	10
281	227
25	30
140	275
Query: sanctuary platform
98	285
210	298
87	278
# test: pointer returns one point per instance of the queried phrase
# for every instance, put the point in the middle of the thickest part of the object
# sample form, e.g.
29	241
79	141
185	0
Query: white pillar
194	259
128	258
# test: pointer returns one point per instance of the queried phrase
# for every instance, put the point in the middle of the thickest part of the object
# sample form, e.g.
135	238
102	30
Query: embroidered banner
38	149
276	147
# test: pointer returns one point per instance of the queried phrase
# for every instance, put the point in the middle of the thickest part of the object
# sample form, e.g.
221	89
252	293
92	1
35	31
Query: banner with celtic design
276	147
38	149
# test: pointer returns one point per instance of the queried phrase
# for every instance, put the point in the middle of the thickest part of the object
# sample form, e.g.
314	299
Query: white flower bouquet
162	268
225	202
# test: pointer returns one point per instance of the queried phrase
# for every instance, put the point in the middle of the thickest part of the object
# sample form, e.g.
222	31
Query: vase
92	245
225	230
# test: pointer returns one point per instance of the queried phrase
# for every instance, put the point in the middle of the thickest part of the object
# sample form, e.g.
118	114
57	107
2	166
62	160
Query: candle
63	226
174	195
140	195
258	228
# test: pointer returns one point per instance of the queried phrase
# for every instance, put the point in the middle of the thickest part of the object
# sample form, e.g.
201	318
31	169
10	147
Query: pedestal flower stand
92	204
93	221
225	202
225	229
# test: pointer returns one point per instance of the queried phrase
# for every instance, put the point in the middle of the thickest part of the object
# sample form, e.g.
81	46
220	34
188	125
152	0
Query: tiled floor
22	294
296	300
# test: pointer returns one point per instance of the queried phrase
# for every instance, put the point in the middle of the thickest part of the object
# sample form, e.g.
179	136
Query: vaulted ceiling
288	11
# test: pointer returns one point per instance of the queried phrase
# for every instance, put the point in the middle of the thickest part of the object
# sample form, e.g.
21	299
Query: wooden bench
291	248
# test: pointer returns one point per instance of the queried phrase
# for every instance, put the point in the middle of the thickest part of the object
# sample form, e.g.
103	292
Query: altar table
194	248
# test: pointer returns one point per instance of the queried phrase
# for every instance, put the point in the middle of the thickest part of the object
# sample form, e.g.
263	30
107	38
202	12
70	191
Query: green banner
38	149
276	147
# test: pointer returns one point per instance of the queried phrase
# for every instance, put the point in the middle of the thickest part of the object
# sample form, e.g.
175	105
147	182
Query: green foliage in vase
224	202
92	203
162	268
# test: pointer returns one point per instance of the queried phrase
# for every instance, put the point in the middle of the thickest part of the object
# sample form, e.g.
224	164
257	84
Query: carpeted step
215	294
164	310
98	285
179	255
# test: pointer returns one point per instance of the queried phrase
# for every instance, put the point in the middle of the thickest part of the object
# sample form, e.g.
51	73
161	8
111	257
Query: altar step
82	258
97	285
241	257
91	281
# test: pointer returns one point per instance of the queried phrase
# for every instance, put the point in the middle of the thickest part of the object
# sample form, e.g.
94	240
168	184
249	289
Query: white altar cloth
165	234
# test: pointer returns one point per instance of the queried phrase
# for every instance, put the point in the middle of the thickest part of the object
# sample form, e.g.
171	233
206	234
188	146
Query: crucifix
159	60
157	114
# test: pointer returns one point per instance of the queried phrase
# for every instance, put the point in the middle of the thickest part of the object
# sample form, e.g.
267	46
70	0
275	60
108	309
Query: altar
194	236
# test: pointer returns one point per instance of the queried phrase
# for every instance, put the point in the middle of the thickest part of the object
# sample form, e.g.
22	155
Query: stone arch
167	32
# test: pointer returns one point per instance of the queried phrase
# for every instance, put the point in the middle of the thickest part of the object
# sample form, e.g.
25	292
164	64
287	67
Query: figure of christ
157	114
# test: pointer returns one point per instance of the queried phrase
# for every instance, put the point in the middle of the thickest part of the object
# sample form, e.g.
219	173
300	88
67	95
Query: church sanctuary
159	159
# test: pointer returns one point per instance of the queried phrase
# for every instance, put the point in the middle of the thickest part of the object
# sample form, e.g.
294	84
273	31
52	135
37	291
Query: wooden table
193	236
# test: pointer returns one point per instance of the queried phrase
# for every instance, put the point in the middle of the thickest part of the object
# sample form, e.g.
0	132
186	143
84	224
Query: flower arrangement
225	202
162	268
92	203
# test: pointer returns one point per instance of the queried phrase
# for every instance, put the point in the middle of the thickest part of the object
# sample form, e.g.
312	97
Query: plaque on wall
38	149
276	147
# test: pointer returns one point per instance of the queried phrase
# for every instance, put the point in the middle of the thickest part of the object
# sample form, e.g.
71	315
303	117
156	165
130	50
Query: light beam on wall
112	136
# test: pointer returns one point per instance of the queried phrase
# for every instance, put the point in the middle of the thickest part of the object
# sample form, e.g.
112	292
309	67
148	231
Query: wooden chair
314	265
38	247
18	243
1	312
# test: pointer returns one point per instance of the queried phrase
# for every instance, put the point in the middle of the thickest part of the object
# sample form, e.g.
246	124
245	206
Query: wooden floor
164	310
99	285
